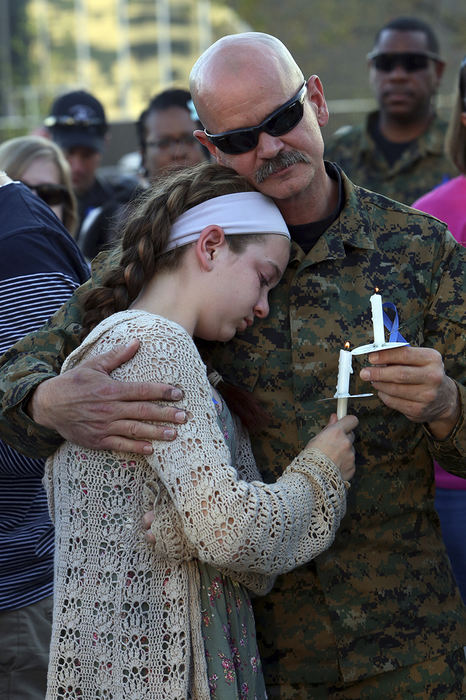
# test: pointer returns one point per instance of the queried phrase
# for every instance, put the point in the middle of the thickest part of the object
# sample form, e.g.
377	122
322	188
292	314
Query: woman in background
41	165
448	203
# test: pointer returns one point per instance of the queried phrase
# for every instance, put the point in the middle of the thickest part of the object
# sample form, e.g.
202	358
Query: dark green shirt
421	167
383	596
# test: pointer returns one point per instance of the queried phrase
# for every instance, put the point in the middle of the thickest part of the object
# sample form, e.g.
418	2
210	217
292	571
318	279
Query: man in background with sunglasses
399	150
379	614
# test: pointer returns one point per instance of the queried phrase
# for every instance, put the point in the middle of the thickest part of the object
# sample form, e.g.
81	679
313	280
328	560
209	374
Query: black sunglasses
50	193
410	62
280	122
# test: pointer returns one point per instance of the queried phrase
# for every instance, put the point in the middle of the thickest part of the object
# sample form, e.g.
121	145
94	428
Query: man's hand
86	406
413	381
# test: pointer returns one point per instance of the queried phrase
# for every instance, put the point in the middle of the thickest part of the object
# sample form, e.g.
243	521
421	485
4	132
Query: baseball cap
77	119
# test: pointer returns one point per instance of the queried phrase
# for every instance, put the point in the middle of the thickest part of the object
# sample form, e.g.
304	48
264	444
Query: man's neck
315	202
404	131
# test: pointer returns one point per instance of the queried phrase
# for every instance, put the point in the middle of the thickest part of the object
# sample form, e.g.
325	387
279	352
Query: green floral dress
228	628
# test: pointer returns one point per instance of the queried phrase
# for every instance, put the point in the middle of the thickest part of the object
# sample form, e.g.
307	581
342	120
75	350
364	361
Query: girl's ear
212	238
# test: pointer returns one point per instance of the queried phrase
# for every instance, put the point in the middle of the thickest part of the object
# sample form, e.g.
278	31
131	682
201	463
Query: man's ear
211	240
200	135
315	95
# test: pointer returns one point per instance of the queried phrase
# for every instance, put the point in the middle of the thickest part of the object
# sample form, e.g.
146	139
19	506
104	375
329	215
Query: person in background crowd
399	150
379	614
165	134
77	123
40	165
40	266
448	203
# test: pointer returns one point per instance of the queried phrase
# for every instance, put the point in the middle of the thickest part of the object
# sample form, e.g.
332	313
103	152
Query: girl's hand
336	441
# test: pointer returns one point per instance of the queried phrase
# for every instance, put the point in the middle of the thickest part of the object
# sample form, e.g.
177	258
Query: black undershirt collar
307	235
391	150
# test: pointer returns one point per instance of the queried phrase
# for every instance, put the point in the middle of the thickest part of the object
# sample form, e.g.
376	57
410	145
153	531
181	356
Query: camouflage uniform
422	166
383	597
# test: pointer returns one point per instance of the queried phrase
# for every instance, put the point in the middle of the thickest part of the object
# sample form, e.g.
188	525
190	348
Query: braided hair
146	231
142	254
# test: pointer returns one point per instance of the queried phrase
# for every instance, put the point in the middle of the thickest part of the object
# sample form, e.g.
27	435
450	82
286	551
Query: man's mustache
282	160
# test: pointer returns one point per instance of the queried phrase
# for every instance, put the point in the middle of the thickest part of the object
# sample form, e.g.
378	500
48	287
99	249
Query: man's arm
103	413
86	406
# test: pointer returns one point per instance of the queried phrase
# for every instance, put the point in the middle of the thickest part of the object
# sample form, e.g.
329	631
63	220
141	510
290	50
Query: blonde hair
17	154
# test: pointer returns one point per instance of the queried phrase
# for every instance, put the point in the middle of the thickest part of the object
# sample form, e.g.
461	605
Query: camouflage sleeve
445	330
450	453
33	359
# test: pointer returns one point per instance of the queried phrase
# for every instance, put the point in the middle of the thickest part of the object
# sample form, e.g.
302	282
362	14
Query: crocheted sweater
126	622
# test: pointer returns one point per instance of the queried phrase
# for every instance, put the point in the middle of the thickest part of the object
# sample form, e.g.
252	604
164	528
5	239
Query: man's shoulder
390	217
384	203
439	123
346	137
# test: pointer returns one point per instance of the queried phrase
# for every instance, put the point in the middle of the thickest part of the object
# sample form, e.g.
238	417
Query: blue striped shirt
40	266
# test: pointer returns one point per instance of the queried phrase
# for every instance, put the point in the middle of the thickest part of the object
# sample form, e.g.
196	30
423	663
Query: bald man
379	614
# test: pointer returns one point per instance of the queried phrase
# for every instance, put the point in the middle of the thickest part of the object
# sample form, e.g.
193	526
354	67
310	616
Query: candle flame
347	345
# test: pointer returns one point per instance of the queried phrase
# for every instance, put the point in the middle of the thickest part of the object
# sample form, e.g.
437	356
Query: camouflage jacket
383	596
422	166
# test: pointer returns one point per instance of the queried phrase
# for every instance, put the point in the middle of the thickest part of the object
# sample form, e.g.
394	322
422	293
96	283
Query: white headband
240	212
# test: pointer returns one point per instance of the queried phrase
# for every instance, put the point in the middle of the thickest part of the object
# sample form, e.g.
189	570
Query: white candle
344	370
377	319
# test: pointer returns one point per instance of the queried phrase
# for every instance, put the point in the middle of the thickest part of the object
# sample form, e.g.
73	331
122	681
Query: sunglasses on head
411	62
50	193
67	120
280	122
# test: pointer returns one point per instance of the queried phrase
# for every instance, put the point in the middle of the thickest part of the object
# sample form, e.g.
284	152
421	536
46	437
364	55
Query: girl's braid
146	232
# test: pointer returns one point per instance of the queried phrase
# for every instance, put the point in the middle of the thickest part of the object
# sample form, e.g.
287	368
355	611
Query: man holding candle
379	614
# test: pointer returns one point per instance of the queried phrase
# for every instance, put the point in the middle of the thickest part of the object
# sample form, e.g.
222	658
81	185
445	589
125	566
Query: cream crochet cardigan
126	620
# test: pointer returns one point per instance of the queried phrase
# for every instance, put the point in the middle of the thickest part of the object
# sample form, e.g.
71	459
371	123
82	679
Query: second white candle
345	369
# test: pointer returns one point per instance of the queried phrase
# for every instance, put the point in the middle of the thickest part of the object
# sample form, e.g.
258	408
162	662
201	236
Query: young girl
200	253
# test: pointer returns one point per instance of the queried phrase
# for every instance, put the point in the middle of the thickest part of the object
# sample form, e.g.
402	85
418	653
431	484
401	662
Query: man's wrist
443	427
35	407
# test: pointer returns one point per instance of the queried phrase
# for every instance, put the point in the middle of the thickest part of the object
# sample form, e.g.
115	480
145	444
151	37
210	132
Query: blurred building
123	51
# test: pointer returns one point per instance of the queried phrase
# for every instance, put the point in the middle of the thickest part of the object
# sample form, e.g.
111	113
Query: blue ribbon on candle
392	326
